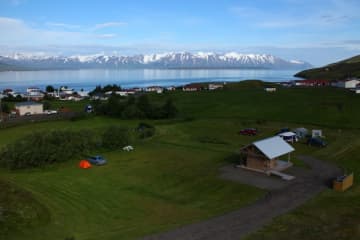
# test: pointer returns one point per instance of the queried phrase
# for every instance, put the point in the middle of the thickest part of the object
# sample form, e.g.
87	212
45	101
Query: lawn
171	179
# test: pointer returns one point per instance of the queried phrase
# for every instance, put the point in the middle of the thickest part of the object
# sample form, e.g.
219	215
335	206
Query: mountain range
180	60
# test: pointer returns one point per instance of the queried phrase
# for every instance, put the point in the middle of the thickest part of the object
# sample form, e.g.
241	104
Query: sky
317	31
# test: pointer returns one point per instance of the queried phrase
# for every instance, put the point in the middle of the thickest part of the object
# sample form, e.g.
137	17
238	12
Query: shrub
41	148
116	137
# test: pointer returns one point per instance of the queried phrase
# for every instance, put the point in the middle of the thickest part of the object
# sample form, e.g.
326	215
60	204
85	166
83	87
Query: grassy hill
340	70
172	178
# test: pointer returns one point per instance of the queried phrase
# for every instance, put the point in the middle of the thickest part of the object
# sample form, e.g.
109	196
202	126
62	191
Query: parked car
316	142
283	130
97	160
50	112
249	131
27	114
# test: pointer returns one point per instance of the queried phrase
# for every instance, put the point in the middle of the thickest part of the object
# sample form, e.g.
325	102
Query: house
170	88
263	156
83	94
349	83
270	89
156	89
312	83
214	86
33	89
99	96
193	87
123	93
29	108
34	95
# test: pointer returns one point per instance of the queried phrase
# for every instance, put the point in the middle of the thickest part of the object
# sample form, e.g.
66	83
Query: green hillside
340	70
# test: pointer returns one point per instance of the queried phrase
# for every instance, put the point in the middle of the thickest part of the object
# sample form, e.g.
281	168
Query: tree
5	107
143	104
46	105
169	109
49	89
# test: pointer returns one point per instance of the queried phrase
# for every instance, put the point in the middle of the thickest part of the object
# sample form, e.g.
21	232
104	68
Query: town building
29	108
193	87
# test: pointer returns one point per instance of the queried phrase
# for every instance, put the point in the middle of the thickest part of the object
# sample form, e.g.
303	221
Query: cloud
105	36
330	13
62	25
108	25
17	32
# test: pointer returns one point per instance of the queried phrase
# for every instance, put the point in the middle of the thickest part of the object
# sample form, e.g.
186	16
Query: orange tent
84	164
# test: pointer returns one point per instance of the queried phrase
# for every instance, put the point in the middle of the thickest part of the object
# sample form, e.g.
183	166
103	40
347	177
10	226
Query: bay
87	79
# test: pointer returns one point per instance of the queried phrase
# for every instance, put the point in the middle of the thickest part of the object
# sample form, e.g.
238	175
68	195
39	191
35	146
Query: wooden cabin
264	155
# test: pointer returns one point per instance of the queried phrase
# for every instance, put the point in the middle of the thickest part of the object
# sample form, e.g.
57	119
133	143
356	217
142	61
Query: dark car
282	130
97	160
249	131
316	142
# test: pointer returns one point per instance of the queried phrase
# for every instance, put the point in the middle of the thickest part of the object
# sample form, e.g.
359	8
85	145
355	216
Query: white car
50	112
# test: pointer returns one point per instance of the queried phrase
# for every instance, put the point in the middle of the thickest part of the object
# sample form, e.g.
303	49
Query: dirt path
239	223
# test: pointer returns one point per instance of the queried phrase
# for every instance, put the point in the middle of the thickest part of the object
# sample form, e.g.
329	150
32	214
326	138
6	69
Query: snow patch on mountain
162	60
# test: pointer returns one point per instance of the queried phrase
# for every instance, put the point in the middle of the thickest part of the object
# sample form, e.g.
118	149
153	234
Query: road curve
239	223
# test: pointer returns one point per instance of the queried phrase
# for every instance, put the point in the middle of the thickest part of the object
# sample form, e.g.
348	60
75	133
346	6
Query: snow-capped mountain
164	60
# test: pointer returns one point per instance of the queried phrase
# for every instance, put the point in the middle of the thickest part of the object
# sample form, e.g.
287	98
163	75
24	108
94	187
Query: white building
154	89
32	89
270	89
29	108
213	86
351	83
123	93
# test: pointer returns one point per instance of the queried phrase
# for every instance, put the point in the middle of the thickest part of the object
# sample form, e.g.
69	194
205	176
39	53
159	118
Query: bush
116	137
51	147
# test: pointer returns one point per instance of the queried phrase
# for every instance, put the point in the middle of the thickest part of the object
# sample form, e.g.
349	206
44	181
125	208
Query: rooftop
27	104
273	147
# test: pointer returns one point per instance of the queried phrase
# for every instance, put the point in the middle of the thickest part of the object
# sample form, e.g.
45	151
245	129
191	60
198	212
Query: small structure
193	87
214	86
84	164
263	156
288	136
156	89
344	182
170	88
316	133
301	132
348	83
270	89
29	108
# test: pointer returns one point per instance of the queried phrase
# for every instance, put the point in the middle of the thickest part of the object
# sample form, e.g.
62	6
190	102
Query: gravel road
277	201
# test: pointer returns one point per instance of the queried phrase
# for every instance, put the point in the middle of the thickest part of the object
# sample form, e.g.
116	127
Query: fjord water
87	79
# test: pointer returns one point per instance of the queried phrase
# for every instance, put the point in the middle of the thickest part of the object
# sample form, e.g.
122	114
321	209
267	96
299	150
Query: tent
84	164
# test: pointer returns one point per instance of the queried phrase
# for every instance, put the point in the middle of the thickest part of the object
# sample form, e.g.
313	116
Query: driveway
279	200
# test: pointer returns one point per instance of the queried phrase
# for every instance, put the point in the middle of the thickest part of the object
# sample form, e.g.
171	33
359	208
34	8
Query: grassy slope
171	179
340	70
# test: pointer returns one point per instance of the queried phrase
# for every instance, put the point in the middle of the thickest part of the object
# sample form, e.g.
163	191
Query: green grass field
171	179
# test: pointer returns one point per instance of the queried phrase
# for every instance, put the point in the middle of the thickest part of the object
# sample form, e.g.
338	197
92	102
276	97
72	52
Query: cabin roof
273	147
